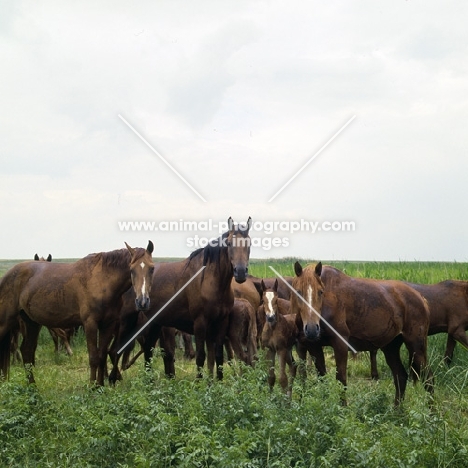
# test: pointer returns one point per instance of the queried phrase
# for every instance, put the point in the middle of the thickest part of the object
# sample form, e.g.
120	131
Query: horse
280	331
242	331
200	307
283	291
448	306
59	336
283	305
88	292
373	314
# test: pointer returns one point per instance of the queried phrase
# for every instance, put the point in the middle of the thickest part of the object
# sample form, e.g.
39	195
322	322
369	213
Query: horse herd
122	295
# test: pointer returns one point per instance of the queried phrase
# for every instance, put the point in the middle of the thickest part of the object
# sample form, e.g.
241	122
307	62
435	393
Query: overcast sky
237	96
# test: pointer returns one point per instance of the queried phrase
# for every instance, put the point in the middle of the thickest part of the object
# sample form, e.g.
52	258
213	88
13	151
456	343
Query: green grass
150	421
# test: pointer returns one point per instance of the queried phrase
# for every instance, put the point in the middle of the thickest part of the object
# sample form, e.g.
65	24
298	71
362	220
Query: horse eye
320	292
298	292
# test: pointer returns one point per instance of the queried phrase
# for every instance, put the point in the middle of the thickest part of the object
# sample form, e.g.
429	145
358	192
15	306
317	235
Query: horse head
307	300
238	246
270	302
141	269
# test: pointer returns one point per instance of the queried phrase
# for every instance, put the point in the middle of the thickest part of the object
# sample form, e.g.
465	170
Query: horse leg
316	351
167	343
459	334
199	329
221	333
418	364
29	345
340	350
106	332
152	334
91	333
54	336
189	352
373	364
400	376
301	350
292	371
271	357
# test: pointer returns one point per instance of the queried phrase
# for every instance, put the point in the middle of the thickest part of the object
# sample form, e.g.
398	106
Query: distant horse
448	306
202	308
280	332
65	295
370	315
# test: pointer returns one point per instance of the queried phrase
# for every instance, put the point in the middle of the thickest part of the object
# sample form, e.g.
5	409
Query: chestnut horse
373	314
200	307
64	295
448	306
280	332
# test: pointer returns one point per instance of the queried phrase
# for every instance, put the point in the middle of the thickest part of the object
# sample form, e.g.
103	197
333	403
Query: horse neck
118	273
219	271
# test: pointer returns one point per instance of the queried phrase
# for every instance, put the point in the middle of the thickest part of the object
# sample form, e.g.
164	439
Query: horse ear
150	247
49	258
259	288
298	269
36	257
130	249
230	224
318	268
249	225
263	285
275	287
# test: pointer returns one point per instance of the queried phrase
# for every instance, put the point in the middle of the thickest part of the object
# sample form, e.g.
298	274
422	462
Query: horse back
448	304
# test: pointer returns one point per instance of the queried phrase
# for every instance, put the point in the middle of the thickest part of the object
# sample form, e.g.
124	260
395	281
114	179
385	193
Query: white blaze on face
143	287
309	295
142	264
269	304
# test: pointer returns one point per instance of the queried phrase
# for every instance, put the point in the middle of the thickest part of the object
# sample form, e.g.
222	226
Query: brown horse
280	332
448	306
200	307
370	315
64	295
242	331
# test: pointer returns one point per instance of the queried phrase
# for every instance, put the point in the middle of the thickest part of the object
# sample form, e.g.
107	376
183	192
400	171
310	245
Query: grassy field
150	421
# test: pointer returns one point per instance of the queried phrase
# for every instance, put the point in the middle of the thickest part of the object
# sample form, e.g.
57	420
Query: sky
199	111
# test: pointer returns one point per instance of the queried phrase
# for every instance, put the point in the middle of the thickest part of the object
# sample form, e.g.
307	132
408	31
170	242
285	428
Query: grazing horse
448	306
280	332
200	308
373	314
64	295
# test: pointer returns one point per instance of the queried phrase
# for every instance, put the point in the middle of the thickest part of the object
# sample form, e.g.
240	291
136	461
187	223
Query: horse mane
211	253
115	258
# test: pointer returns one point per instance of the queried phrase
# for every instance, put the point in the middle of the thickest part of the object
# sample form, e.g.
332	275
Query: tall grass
150	421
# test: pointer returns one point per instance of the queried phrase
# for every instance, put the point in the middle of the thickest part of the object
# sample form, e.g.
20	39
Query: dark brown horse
280	332
200	308
242	331
370	315
64	295
448	306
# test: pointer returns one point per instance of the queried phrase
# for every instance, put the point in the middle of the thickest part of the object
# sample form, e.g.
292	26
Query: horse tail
5	353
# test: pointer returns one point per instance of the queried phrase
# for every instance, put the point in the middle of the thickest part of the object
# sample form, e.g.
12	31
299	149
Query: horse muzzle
142	303
240	274
312	331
